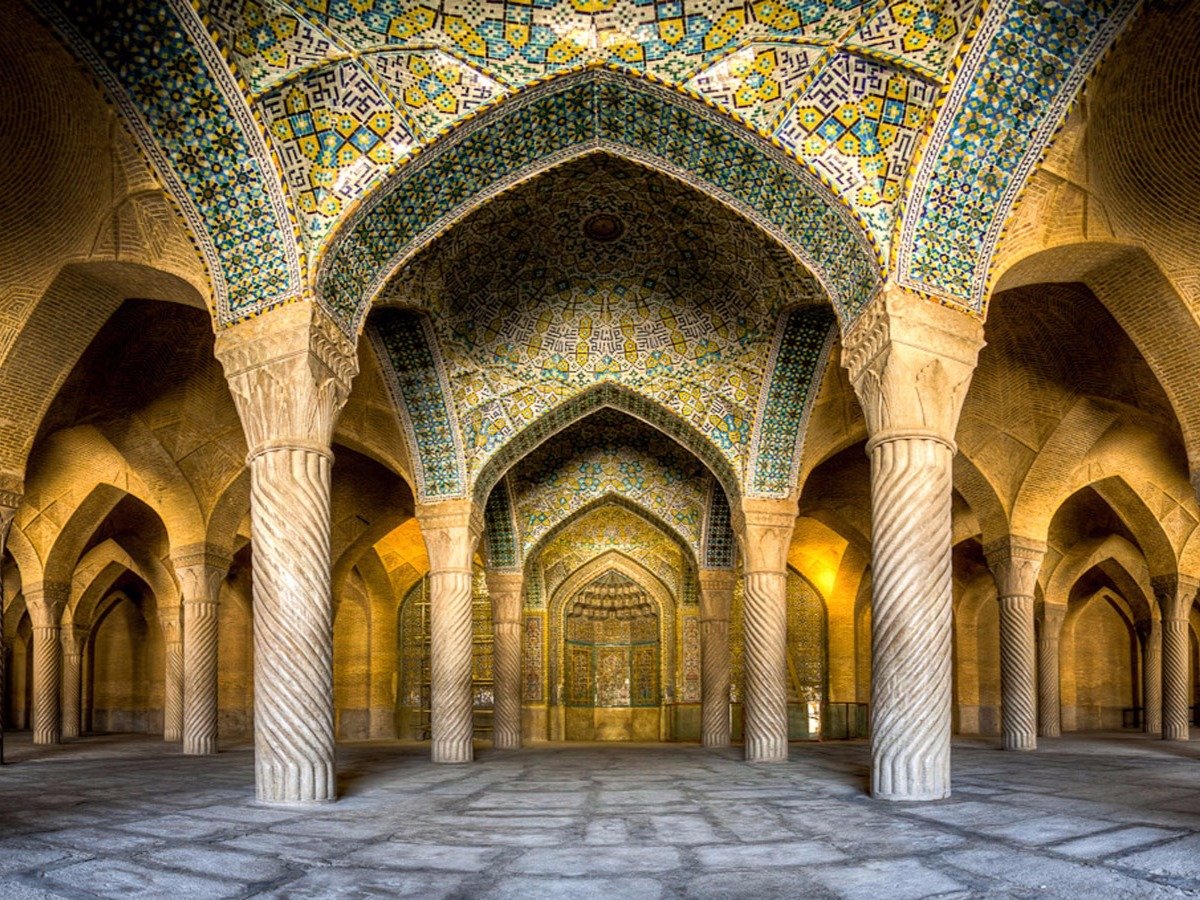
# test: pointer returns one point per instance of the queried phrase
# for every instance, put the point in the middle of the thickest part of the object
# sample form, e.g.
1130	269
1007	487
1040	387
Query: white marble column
73	638
1049	702
910	361
716	598
451	530
506	591
289	371
46	602
9	500
766	535
1175	594
201	569
1015	562
171	621
1152	677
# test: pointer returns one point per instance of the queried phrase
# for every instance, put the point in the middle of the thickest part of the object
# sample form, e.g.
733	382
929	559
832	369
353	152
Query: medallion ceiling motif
282	129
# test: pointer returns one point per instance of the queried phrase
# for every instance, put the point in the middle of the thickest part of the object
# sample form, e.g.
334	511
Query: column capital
46	601
910	361
506	590
72	637
716	593
767	534
200	568
1175	594
451	529
1015	562
170	620
1052	618
289	371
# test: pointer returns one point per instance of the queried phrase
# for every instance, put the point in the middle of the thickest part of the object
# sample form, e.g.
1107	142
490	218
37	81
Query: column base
1022	743
1173	734
453	752
293	785
1050	732
715	741
172	737
46	739
200	747
910	796
766	751
506	741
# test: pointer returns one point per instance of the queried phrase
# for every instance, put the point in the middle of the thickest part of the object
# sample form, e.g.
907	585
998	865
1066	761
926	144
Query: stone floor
1103	816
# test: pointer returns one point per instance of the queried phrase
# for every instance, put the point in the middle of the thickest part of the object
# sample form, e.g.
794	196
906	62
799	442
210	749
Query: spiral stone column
46	602
506	589
1175	594
73	638
1049	704
910	361
716	598
766	536
1015	562
169	619
9	500
289	371
200	569
1152	677
451	530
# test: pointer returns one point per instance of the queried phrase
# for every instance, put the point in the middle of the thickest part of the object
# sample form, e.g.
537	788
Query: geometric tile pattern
268	41
858	124
177	94
795	369
680	307
757	81
920	36
407	352
433	89
336	134
579	114
499	535
608	454
1020	74
719	545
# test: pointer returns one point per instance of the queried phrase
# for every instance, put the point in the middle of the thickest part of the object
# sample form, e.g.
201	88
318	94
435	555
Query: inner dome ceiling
529	311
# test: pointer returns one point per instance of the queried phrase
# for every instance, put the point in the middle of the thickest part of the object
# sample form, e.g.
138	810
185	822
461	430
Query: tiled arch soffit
876	139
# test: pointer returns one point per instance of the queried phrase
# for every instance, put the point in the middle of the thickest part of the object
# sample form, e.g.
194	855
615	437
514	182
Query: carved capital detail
289	371
46	602
201	568
1175	594
716	594
451	530
911	361
767	534
506	591
1015	562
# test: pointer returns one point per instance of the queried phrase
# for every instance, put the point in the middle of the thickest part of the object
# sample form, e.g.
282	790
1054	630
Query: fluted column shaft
1152	678
910	362
716	598
45	603
72	679
201	569
1175	594
451	531
505	590
1014	562
1049	702
173	692
767	535
289	372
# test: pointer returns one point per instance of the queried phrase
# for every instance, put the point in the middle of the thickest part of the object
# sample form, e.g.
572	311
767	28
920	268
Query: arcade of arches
825	372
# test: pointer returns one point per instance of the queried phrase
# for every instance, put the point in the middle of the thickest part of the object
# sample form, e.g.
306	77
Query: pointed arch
1090	553
608	395
584	112
648	516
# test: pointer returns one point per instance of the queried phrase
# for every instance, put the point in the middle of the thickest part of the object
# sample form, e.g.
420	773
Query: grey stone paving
1104	816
